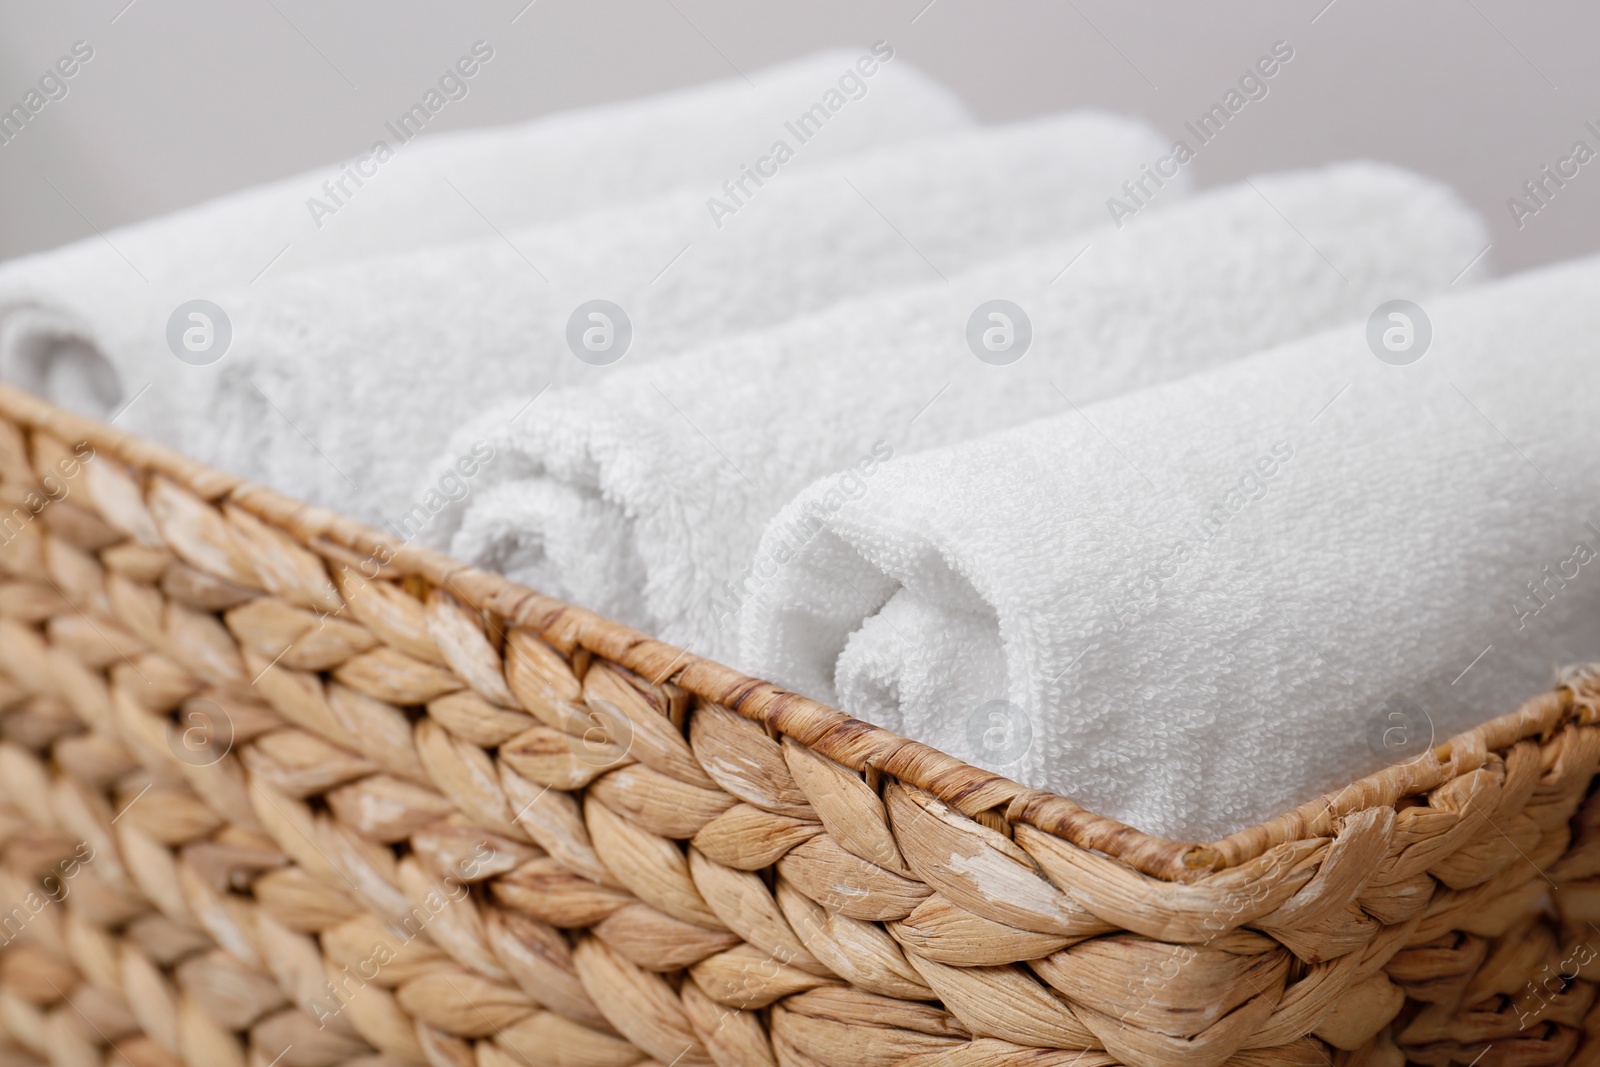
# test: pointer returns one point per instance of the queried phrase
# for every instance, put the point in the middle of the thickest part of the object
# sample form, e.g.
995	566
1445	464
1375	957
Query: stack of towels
1191	515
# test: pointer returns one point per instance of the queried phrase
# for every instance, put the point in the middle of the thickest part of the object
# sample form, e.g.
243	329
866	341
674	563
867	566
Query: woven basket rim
856	744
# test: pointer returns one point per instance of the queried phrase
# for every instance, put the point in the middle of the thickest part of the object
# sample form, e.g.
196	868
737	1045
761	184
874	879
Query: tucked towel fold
689	458
85	324
916	653
345	383
1194	607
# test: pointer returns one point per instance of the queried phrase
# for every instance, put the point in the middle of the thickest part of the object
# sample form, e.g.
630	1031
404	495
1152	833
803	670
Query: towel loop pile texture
1239	590
645	496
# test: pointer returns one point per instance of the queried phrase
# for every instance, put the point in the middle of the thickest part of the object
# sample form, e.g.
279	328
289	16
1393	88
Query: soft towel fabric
1213	600
943	662
403	351
85	324
666	476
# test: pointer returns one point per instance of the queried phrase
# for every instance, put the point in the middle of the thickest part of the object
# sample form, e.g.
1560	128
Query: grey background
186	99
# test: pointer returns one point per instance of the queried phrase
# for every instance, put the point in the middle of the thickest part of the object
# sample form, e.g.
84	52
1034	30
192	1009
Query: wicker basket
276	790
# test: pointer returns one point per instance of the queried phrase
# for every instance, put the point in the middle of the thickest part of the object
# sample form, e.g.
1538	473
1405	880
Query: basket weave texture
277	790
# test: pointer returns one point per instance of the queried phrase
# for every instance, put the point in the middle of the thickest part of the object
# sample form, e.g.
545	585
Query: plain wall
185	99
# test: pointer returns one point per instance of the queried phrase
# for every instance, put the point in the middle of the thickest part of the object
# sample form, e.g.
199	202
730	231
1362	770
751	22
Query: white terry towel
644	497
1194	607
379	363
73	321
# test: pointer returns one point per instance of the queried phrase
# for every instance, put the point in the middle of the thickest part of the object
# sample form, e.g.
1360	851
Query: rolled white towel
1196	606
86	324
378	363
691	457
